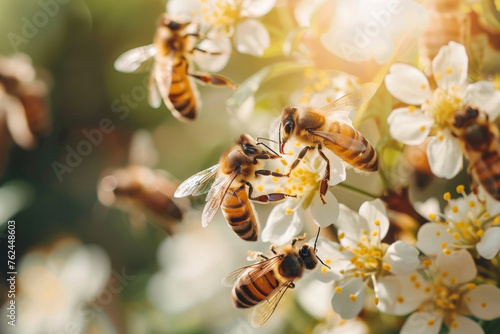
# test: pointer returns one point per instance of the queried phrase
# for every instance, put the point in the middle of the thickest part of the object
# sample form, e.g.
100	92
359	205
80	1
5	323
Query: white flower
445	297
54	289
431	113
286	219
370	29
222	19
323	87
468	222
187	261
361	259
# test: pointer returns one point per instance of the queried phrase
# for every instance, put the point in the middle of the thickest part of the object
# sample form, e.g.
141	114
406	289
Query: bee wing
154	97
353	100
265	308
133	60
216	196
163	77
340	140
258	269
198	184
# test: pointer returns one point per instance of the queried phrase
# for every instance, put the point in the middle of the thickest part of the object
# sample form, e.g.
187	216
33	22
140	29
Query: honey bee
139	189
226	184
24	100
263	284
445	22
171	80
480	142
316	128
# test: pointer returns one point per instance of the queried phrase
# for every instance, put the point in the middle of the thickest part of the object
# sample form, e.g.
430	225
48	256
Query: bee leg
323	188
273	249
211	53
272	197
291	285
299	157
294	241
214	79
267	172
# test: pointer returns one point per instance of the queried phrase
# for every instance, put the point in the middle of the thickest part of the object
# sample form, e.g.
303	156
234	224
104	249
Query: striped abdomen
239	215
352	147
181	92
487	171
248	295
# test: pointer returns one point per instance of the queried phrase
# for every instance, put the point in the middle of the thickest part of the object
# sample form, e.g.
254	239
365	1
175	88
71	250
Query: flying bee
226	184
318	128
24	100
480	142
263	284
171	79
139	189
445	22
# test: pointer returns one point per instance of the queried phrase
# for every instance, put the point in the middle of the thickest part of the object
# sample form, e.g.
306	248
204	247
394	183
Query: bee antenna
266	146
316	241
323	262
271	140
279	137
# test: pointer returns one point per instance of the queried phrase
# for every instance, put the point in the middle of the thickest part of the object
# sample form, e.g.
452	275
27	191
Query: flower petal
422	322
251	37
431	237
213	63
374	211
459	266
351	225
330	253
489	245
350	301
337	168
464	325
281	227
484	301
450	66
410	128
324	214
183	9
445	155
402	258
483	95
408	84
400	295
256	8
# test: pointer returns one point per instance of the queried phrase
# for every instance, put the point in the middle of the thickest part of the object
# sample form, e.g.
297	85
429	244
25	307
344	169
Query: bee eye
173	25
288	127
471	113
304	251
459	121
249	150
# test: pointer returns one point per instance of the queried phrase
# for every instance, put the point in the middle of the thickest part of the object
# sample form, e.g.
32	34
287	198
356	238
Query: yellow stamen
338	289
352	297
460	189
447	196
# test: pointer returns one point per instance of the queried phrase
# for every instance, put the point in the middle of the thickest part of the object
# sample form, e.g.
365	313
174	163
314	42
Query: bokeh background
87	268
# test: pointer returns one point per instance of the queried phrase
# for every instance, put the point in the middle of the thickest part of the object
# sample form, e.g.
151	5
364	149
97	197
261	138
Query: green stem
356	190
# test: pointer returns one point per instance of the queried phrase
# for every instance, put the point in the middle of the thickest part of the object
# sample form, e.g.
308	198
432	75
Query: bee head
466	115
248	145
308	255
287	126
171	23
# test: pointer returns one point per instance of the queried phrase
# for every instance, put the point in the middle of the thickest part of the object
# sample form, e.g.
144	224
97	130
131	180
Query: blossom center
443	107
447	299
223	14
